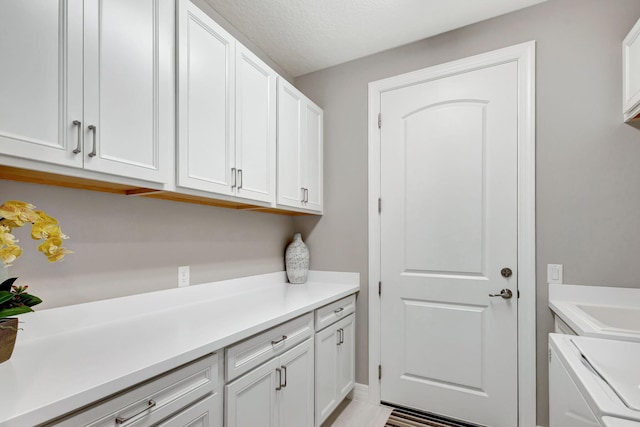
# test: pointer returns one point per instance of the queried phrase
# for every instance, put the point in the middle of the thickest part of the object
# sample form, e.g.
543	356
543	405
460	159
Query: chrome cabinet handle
302	191
93	129
504	293
283	374
233	174
79	146
284	337
306	195
239	179
279	371
340	336
338	310
150	404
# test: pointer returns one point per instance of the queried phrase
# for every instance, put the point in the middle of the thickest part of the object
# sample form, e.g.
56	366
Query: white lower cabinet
190	395
335	366
278	393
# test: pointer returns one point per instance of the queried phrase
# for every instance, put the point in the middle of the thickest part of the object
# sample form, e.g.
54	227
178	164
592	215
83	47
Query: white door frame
524	55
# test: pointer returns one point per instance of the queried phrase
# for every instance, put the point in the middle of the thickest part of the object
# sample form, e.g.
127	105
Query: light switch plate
554	273
183	276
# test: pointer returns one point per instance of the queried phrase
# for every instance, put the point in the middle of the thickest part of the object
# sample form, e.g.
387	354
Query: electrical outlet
183	276
554	273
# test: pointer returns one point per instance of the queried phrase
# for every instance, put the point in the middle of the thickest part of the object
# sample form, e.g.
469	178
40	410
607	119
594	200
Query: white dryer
593	382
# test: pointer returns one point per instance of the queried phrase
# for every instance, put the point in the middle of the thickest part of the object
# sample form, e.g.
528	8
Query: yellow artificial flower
13	214
45	227
9	253
16	213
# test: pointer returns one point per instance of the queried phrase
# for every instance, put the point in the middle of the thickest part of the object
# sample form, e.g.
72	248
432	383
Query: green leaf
5	296
29	300
6	285
8	312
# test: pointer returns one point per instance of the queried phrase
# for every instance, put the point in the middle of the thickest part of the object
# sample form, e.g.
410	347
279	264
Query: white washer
593	382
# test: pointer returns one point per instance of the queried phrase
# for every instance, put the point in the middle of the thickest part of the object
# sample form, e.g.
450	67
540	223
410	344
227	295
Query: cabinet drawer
152	401
205	413
256	350
335	311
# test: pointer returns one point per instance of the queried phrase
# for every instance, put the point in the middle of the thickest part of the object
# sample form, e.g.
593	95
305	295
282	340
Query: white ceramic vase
297	260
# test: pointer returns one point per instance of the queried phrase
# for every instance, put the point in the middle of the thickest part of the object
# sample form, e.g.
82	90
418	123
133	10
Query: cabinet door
41	79
255	127
251	399
206	70
346	357
201	414
326	343
312	158
127	91
290	110
295	399
631	72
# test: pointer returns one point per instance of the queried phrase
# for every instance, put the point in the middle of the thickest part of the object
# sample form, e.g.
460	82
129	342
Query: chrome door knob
505	293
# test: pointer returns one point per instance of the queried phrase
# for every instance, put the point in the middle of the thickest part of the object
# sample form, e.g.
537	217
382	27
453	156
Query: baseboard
361	393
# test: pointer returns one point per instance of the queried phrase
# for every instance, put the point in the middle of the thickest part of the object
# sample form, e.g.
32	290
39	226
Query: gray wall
588	178
128	245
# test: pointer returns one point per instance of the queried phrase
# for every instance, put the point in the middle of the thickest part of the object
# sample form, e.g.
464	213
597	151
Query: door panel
251	399
125	91
449	225
444	217
296	397
290	112
255	127
41	79
313	157
206	66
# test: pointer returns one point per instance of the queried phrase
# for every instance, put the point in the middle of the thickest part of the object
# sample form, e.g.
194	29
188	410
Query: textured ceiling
308	35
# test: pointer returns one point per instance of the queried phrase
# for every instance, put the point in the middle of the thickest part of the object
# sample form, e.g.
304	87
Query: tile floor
353	413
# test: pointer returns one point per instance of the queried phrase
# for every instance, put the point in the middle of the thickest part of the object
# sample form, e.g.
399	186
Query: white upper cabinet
300	147
88	84
631	73
226	112
206	76
41	80
255	127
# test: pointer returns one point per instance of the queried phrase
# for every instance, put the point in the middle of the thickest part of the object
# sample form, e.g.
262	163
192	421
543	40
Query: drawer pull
284	337
279	372
284	373
150	404
338	310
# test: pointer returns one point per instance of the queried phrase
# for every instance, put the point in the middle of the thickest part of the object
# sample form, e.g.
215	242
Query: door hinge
379	372
379	120
380	289
379	205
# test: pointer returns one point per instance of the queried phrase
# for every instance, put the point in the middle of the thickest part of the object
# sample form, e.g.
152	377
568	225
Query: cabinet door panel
251	400
123	91
205	102
290	112
346	357
326	356
255	127
41	79
201	414
296	397
313	157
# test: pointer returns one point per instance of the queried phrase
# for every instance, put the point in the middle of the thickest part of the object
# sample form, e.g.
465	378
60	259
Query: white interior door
448	228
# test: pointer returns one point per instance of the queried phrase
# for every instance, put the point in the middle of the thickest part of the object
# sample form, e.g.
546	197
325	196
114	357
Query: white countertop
68	357
567	302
